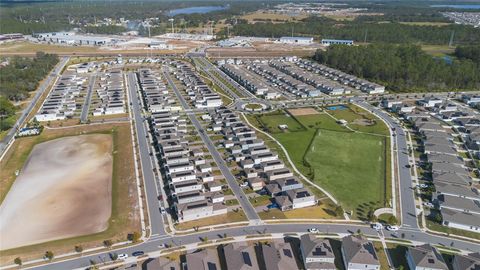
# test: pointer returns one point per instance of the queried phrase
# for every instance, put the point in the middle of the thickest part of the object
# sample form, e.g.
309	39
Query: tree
437	218
79	248
113	256
371	215
134	237
392	220
49	255
18	261
338	211
108	243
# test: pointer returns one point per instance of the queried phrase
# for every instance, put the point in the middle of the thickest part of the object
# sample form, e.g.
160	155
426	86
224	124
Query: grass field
274	17
438	50
271	121
124	218
351	165
426	23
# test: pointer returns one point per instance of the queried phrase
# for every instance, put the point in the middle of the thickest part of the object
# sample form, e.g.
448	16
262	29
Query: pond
200	9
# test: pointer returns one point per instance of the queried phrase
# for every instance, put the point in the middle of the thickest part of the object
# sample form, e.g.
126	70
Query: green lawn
322	120
272	120
358	118
352	167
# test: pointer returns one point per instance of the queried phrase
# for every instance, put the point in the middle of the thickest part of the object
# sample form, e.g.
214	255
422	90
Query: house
460	220
278	256
297	198
466	262
317	253
206	259
240	256
425	257
160	263
199	209
359	254
255	183
459	204
455	190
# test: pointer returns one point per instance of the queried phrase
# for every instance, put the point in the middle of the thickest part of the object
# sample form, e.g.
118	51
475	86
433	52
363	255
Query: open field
322	211
340	160
351	166
261	16
72	180
438	50
427	23
271	121
303	111
124	217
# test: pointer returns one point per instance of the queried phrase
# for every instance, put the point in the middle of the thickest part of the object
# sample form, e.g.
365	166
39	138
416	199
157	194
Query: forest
364	31
403	68
22	75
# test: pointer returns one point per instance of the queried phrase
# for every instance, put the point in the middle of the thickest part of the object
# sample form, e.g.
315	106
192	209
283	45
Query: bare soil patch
364	122
303	111
64	190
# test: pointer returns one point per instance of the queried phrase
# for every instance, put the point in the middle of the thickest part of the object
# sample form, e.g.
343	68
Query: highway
156	219
53	75
232	182
88	99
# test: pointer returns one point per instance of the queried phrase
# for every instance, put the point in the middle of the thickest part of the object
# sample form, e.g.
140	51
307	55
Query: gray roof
445	158
206	259
466	262
427	256
279	256
460	203
460	190
161	263
357	249
314	247
458	217
439	140
240	256
448	167
450	178
440	148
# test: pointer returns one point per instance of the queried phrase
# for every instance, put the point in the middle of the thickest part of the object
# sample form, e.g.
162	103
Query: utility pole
171	20
365	39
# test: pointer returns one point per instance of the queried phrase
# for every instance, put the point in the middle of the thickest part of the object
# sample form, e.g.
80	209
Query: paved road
155	244
407	201
41	90
232	182
88	99
156	219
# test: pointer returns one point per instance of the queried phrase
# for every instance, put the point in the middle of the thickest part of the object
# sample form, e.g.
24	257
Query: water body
457	6
201	10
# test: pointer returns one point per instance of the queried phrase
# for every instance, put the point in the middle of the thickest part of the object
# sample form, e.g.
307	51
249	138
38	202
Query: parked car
122	256
162	210
408	166
313	230
377	226
428	204
422	185
392	228
138	253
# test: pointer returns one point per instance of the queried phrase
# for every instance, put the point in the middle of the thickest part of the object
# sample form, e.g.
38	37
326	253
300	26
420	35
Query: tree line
402	68
468	52
359	31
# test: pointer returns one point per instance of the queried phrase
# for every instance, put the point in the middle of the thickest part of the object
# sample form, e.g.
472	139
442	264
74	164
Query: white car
313	230
392	228
428	204
377	226
422	185
122	256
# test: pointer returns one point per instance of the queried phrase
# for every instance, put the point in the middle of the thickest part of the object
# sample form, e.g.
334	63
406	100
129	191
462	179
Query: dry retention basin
64	190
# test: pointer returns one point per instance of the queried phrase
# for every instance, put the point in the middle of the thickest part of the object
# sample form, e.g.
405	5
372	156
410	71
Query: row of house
341	77
198	91
456	196
193	189
262	168
250	81
327	86
110	91
311	253
283	81
61	101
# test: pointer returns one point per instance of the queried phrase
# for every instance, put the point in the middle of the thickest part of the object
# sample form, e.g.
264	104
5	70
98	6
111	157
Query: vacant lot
351	166
63	183
303	111
124	217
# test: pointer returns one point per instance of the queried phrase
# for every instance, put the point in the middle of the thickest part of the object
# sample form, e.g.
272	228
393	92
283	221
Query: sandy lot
303	111
63	190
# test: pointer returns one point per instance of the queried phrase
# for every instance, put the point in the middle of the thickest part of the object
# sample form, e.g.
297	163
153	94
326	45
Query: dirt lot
124	218
63	183
303	111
